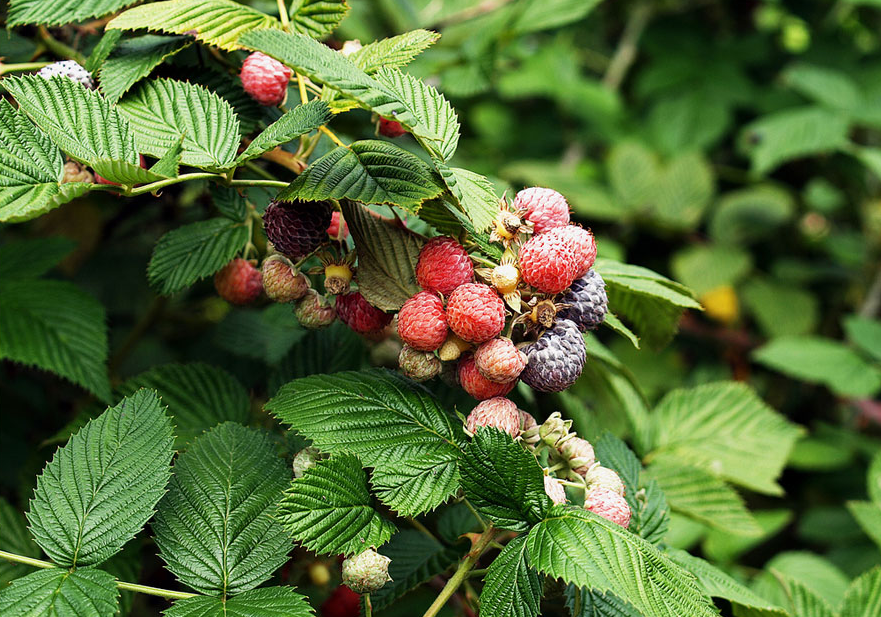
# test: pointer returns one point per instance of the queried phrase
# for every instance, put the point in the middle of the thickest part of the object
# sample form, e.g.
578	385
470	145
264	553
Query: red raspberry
608	504
475	312
582	243
265	79
545	208
422	322
548	263
99	179
335	230
313	311
498	412
443	265
343	602
297	228
477	385
361	316
238	282
499	360
555	490
281	281
391	128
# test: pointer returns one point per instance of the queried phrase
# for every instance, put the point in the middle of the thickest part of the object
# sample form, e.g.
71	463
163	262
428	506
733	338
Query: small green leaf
863	597
780	309
169	163
123	172
512	588
751	214
298	121
60	12
474	193
597	604
803	601
868	515
317	18
704	268
393	52
264	602
865	333
266	335
134	59
61	593
229	202
102	50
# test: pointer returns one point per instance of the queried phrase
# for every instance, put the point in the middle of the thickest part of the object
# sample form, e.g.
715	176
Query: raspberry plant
477	480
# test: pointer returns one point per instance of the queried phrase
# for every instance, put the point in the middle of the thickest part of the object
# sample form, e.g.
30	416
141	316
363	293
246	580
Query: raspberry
475	312
391	128
505	278
499	360
452	348
281	281
337	277
443	265
608	504
603	477
366	572
548	263
313	311
497	412
298	228
70	69
555	490
343	602
238	282
556	359
476	384
579	454
338	230
582	243
305	459
361	316
74	172
587	302
422	322
419	365
102	180
265	79
545	208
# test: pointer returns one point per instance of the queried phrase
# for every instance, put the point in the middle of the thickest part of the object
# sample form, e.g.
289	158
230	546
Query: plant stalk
462	572
21	66
625	53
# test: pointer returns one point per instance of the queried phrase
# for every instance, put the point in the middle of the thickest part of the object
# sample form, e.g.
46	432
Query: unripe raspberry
555	490
476	384
337	277
554	430
556	359
505	278
608	504
499	360
297	228
74	172
579	454
366	572
265	79
361	316
422	322
497	412
281	281
603	477
545	208
548	263
319	574
343	602
313	311
69	69
305	459
391	128
475	312
338	230
587	302
583	245
238	282
452	348
506	225
419	365
443	265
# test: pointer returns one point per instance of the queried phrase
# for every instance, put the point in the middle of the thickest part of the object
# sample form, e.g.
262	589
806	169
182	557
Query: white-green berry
304	459
366	572
599	476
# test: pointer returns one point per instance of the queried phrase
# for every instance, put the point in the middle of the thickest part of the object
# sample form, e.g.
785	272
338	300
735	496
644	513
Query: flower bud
579	454
366	572
555	429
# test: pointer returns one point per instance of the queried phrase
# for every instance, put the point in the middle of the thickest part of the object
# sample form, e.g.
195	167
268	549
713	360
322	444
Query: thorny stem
480	545
625	53
22	66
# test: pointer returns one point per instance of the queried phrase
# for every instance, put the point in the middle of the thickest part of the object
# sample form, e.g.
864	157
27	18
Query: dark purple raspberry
556	359
587	300
297	228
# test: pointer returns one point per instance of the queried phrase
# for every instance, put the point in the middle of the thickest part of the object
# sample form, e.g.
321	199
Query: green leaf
192	252
685	188
14	538
503	481
71	343
865	333
265	602
596	604
474	193
266	335
873	479
102	50
613	323
393	52
169	163
547	14
720	546
123	172
216	528
391	423
816	573
704	268
33	257
751	214
863	597
779	308
329	350
802	600
59	12
512	588
214	22
330	511
868	515
134	59
100	489
61	593
821	360
317	18
229	202
161	110
829	87
298	121
589	551
723	428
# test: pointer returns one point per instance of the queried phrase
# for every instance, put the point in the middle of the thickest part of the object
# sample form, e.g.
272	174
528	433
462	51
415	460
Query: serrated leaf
32	257
265	602
863	597
803	601
503	481
100	489
330	511
14	538
60	12
474	193
102	50
192	252
161	110
393	52
616	325
512	588
391	423
214	22
329	350
134	59
61	593
266	335
229	202
298	121
317	17
169	163
71	343
215	528
123	172
596	604
868	515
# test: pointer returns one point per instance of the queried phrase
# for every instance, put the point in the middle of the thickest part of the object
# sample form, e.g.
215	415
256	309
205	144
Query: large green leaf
474	193
863	597
391	423
61	593
265	335
317	18
298	121
134	59
865	333
100	489
265	602
393	52
32	257
512	588
14	538
216	528
330	511
60	12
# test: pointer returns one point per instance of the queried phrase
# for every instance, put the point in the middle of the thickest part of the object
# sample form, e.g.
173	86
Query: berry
99	179
419	365
452	348
305	459
556	359
366	572
338	230
70	69
313	310
475	312
476	384
74	172
239	282
343	602
582	243
497	412
608	504
422	322
527	422
391	128
361	316
499	360
350	47
281	281
319	574
603	477
548	263
545	208
587	302
443	265
265	79
579	454
505	278
555	490
337	277
298	228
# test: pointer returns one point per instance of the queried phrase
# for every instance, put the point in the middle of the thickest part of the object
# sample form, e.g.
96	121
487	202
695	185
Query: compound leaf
61	593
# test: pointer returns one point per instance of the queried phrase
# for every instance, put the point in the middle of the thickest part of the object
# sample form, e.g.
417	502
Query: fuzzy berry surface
366	572
443	265
282	283
603	477
497	412
581	451
297	228
338	230
499	360
391	128
238	282
475	312
313	311
265	79
556	359
419	365
555	490
361	316
476	384
422	322
545	208
343	602
548	263
582	243
608	504
69	69
587	302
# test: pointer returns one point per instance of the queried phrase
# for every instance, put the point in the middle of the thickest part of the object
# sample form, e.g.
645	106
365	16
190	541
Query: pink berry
265	79
391	128
527	422
475	312
548	263
499	360
555	490
239	282
338	230
422	322
443	265
582	243
545	208
477	385
497	412
608	504
604	477
361	316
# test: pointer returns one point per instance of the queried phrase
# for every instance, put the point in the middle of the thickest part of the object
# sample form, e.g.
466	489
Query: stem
22	66
475	513
249	182
260	171
155	186
332	136
462	572
478	573
368	607
625	53
283	16
301	85
57	47
872	303
28	561
572	484
576	607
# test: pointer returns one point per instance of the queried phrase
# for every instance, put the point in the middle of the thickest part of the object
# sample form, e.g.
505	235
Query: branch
480	545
